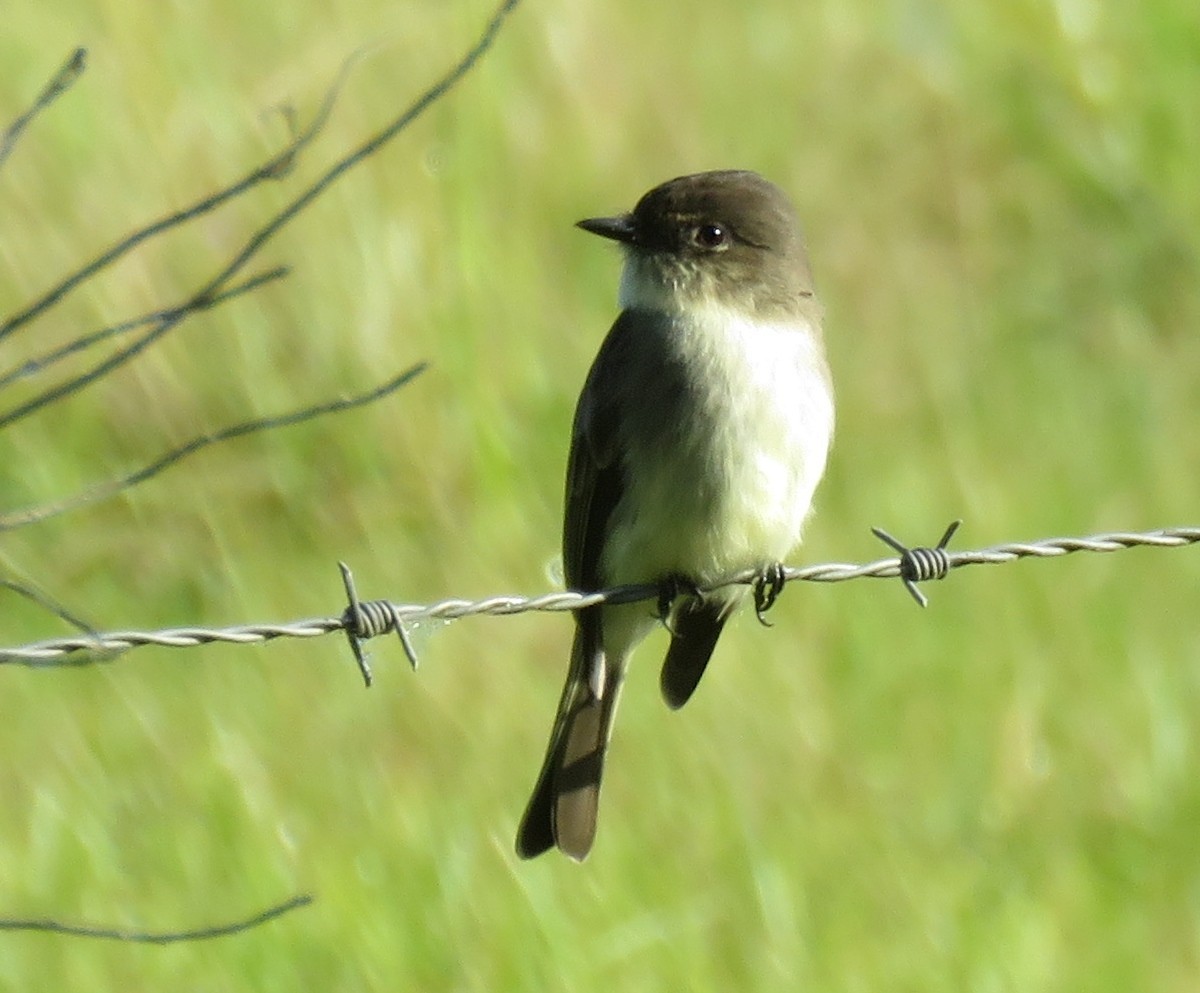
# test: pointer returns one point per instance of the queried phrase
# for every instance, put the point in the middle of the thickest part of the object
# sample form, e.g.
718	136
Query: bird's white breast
726	472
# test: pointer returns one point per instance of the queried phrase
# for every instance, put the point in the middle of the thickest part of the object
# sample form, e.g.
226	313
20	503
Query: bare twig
31	367
157	937
71	70
274	168
255	243
47	603
58	651
37	514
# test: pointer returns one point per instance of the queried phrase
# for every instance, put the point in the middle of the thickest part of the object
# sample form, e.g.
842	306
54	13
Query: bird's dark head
729	237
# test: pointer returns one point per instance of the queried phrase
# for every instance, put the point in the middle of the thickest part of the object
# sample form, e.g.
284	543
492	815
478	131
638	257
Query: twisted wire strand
371	618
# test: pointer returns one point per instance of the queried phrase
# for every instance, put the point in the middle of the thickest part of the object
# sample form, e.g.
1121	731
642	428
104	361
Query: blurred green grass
995	794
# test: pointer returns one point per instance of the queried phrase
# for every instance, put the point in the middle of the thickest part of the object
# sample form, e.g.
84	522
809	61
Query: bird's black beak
620	228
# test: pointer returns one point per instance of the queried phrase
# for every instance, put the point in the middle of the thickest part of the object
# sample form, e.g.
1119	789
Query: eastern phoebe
699	438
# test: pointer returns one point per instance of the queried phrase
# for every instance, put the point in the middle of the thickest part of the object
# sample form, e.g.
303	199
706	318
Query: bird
699	438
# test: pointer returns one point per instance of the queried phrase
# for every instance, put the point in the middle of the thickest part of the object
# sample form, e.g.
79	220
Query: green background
998	793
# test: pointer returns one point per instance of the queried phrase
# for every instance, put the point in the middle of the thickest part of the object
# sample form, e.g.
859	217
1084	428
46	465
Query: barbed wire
362	620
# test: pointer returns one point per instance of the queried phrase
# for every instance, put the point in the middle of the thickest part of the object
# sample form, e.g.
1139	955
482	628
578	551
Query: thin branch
47	603
274	168
157	937
37	514
71	70
273	226
55	652
41	363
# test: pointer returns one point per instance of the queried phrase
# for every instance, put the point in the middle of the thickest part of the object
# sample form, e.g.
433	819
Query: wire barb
369	620
920	564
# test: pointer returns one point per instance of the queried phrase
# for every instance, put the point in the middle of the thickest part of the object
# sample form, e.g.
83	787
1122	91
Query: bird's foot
671	589
767	585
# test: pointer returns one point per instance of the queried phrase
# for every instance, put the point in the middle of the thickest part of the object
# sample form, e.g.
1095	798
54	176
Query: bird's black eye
712	237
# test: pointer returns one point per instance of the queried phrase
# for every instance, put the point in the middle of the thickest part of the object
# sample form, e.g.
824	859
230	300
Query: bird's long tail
565	801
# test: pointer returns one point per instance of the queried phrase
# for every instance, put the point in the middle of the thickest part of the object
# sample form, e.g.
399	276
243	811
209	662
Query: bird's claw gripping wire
767	585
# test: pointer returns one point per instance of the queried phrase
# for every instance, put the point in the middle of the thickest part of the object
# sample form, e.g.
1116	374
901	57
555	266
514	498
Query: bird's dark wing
595	475
563	807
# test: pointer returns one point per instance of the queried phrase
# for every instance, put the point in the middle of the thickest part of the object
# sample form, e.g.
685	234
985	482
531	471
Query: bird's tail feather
695	627
565	801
